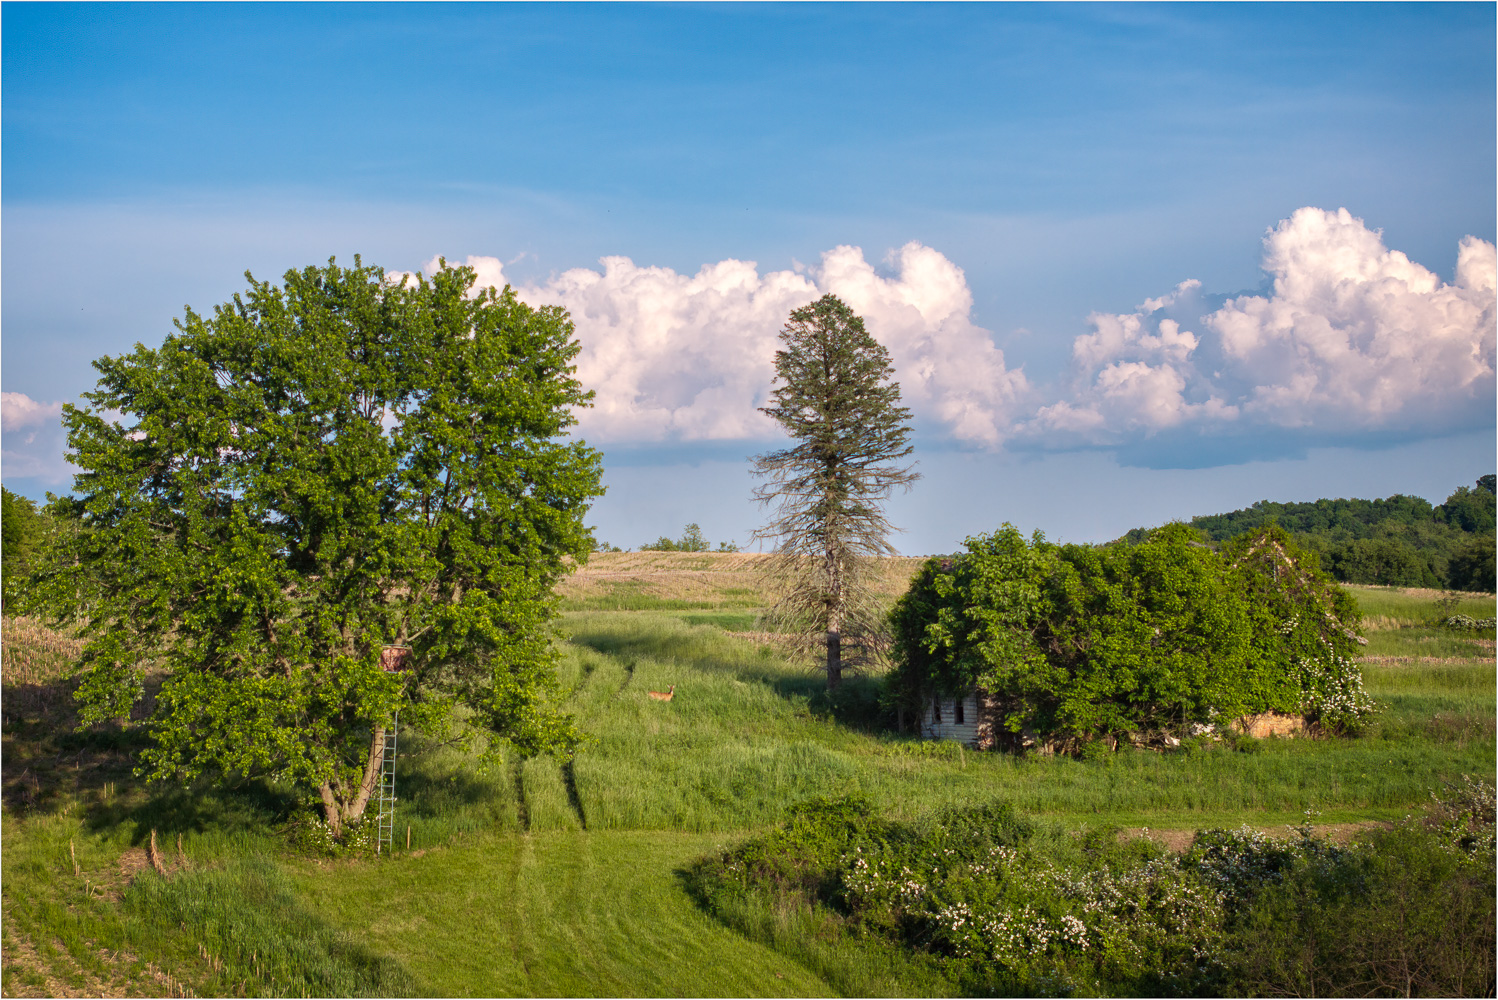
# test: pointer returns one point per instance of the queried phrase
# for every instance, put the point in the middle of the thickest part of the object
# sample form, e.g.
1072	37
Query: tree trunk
341	802
833	567
834	659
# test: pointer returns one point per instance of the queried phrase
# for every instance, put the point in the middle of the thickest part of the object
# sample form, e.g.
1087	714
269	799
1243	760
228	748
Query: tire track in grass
588	667
569	781
629	675
517	775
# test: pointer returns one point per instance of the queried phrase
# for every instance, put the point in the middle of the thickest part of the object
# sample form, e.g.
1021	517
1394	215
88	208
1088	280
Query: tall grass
748	733
255	936
224	921
1396	606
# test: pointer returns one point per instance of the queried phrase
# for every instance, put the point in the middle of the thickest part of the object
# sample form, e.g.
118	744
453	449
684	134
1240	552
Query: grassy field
711	581
540	877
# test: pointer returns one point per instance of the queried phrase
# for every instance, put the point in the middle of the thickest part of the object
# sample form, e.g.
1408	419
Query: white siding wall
948	728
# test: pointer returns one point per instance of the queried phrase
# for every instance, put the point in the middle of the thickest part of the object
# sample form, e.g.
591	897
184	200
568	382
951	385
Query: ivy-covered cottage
955	717
1019	643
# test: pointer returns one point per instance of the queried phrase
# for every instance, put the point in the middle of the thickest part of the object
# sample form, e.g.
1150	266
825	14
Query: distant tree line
1399	541
25	530
691	540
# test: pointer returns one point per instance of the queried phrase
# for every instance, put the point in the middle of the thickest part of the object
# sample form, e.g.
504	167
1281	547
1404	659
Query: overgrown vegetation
1077	643
997	905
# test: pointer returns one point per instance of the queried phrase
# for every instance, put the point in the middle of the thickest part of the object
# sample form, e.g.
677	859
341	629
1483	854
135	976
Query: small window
936	710
957	711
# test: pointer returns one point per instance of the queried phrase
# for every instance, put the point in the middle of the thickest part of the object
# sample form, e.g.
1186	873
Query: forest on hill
1399	541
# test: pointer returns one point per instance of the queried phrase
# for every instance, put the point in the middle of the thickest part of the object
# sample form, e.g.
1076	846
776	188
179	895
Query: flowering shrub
1332	693
1406	911
1468	623
1465	817
312	835
1002	909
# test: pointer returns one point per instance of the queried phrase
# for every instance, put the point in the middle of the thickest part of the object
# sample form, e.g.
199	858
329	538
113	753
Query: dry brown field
627	581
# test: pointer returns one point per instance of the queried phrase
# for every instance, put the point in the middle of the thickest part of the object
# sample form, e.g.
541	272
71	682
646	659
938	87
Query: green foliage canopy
24	530
1082	641
311	473
1397	541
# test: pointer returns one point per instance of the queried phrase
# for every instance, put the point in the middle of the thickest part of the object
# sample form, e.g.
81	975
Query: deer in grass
664	695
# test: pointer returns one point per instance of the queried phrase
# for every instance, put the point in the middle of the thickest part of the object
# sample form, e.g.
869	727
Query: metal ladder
385	824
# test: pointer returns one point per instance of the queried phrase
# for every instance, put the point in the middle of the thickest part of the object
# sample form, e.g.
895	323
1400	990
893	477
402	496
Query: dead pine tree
835	396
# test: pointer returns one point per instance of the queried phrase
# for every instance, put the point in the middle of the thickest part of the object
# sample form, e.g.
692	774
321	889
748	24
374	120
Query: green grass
561	914
747	734
1417	641
1413	606
549	877
631	596
742	621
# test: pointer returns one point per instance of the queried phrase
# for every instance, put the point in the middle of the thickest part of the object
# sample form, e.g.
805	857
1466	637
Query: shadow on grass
47	761
242	807
431	791
855	703
248	917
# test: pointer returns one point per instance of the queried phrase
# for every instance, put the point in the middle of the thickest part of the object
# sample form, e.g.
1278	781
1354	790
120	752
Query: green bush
999	906
1078	643
1097	750
1404	913
310	834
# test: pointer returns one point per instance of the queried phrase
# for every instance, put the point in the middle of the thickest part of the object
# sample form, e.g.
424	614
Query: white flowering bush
1332	692
1467	623
1001	909
1405	911
312	835
1465	815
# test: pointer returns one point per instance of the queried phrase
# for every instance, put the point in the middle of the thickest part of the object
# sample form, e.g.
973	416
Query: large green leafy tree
314	472
835	395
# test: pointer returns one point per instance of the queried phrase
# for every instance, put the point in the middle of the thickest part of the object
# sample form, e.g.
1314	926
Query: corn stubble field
549	878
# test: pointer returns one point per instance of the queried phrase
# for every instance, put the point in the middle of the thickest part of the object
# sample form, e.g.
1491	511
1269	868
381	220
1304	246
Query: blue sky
1026	187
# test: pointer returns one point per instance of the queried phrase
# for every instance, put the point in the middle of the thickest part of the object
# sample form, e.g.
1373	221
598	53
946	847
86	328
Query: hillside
1400	541
566	877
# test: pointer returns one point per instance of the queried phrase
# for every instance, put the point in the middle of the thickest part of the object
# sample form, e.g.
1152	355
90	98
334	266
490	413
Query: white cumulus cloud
31	439
1353	337
676	357
19	411
1357	336
1133	376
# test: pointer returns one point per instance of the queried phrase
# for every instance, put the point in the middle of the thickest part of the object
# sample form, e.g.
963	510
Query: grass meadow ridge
547	877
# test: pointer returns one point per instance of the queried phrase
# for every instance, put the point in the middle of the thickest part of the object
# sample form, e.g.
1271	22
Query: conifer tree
835	397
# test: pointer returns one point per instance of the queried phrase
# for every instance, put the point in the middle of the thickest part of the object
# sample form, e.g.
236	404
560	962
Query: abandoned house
967	718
